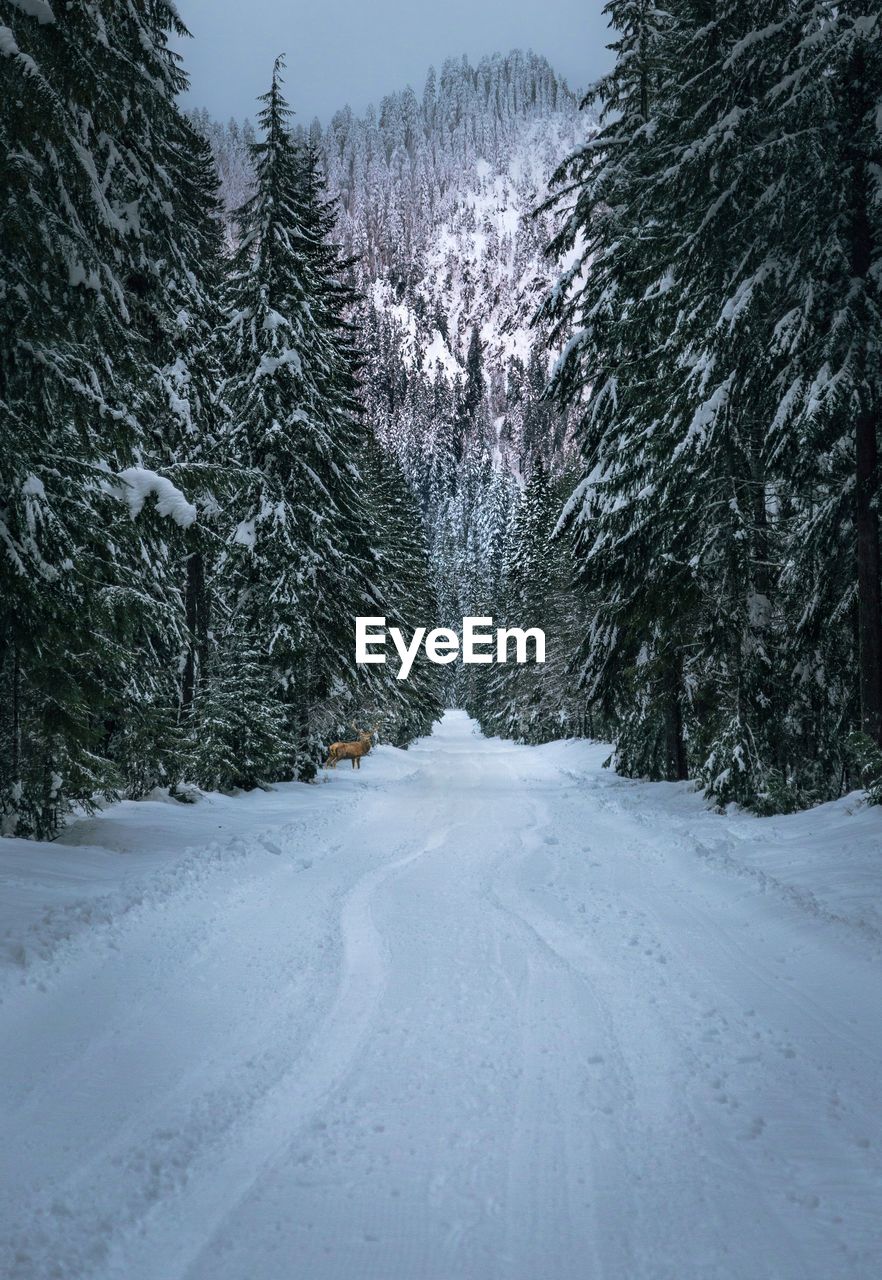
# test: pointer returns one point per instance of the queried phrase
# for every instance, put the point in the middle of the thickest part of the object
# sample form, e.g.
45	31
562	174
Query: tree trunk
869	561
197	629
675	746
16	713
869	575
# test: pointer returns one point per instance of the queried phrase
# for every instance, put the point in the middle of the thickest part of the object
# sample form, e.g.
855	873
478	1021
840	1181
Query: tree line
192	511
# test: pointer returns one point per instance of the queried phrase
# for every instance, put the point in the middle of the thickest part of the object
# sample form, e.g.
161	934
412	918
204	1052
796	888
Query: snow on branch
9	49
140	484
39	9
269	364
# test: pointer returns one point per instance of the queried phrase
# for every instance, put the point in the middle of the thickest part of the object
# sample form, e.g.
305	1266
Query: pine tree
626	524
298	559
827	335
239	724
532	702
473	391
86	204
708	447
721	346
404	709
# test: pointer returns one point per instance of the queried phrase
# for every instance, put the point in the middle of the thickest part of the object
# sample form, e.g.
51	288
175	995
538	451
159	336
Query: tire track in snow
556	1170
564	1047
169	1242
627	1122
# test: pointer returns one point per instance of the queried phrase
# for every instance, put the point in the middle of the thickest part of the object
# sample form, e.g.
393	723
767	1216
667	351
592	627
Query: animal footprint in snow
753	1130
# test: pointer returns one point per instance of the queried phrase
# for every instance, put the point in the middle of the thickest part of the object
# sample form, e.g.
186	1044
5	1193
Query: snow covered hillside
437	193
478	1010
482	265
438	197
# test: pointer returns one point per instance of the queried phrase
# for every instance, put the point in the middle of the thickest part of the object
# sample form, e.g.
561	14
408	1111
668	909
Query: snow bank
827	860
138	852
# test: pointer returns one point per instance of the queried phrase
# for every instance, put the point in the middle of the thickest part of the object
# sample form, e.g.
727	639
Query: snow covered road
477	1012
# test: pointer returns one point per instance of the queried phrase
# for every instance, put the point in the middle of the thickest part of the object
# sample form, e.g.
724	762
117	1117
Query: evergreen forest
608	366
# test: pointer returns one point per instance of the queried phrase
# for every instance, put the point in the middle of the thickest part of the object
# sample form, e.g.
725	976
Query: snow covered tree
87	203
400	564
708	441
534	702
473	390
719	345
296	559
624	517
757	88
320	538
827	337
239	728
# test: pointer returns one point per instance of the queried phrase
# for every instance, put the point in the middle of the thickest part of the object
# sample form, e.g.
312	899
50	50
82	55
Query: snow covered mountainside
483	265
438	197
476	1011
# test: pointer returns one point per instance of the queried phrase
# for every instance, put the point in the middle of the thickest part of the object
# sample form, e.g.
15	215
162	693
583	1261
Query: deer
351	750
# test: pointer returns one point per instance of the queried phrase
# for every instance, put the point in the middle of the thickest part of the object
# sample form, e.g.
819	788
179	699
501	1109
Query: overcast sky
356	50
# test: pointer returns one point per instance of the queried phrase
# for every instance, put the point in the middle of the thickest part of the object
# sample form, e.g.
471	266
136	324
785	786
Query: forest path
474	1017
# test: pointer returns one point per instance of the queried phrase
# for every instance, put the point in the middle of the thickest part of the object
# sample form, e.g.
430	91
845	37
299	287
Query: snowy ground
478	1012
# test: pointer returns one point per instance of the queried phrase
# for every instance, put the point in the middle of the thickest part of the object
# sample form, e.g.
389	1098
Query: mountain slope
437	197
